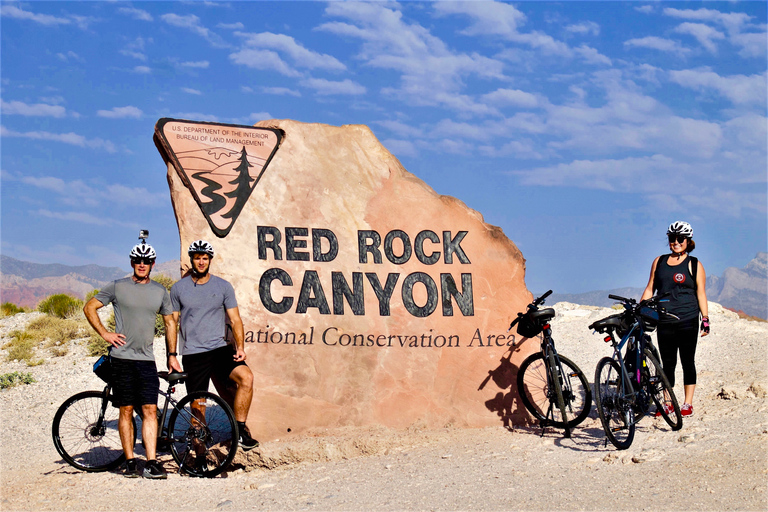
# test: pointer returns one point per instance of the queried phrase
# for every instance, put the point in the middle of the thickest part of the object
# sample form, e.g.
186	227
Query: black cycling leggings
682	337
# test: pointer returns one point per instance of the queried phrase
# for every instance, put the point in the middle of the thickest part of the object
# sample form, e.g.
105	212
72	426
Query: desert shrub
97	346
10	309
8	380
159	323
60	305
91	294
21	348
56	333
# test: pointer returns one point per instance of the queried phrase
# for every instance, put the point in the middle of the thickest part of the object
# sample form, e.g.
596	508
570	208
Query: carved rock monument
367	298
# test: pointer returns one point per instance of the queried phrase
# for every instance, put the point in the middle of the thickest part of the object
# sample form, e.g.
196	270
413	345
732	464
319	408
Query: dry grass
22	348
55	333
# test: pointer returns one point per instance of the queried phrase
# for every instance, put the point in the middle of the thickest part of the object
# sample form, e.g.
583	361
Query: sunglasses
145	261
679	238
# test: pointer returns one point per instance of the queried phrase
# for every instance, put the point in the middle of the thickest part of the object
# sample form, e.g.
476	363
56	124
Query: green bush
9	380
10	309
56	333
91	294
60	305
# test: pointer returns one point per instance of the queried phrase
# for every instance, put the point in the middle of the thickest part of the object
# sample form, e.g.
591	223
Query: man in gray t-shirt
136	301
202	303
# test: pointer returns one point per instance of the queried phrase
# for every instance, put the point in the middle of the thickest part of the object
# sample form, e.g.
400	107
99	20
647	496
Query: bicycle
624	392
551	386
201	431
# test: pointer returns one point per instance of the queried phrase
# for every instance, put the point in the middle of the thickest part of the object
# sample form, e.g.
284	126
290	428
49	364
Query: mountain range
25	284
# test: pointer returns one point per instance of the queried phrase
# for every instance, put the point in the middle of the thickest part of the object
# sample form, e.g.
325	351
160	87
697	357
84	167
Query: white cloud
511	97
69	55
121	113
67	138
301	56
488	18
189	90
133	54
79	193
591	55
587	27
138	14
192	23
280	91
430	73
263	60
37	109
645	9
142	70
704	34
739	89
328	87
11	11
752	44
200	64
196	116
231	26
86	218
657	43
400	147
733	22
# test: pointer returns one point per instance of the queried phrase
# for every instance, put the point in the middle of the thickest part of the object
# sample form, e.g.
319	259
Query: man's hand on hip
114	339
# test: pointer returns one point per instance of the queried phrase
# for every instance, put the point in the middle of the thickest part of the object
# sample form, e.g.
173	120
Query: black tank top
679	283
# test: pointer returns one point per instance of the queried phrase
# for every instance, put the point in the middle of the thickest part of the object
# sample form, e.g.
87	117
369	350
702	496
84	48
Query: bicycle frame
547	349
635	337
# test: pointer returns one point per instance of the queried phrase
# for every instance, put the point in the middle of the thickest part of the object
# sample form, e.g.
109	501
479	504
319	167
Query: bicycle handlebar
540	300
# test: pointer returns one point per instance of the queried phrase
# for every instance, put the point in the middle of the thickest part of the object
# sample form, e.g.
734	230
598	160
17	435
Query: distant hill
738	289
25	283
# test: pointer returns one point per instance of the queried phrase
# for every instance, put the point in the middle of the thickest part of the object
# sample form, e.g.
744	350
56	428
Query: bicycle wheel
535	394
85	432
203	434
614	409
657	384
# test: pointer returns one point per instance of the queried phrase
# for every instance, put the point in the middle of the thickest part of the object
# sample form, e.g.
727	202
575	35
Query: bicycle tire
657	384
78	438
615	412
203	448
532	386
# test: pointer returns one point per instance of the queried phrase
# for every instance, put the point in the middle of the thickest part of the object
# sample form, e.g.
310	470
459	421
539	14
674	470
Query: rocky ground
718	461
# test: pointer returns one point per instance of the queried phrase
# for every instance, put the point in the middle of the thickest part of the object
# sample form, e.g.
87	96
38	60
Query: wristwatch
172	354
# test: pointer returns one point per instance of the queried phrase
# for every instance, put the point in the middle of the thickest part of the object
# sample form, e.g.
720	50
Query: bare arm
701	293
648	292
171	321
238	331
171	336
92	316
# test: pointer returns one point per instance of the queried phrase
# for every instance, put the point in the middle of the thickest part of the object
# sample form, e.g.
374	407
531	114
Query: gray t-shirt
136	306
202	308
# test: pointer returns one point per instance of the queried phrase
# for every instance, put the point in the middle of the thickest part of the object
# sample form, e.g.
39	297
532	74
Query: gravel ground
718	461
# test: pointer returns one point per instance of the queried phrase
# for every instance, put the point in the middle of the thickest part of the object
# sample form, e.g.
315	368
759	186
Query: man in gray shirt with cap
136	300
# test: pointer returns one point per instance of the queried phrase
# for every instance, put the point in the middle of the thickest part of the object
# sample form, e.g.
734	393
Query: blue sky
581	128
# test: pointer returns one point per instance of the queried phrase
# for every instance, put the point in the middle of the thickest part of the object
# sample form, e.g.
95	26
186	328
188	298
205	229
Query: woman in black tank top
681	277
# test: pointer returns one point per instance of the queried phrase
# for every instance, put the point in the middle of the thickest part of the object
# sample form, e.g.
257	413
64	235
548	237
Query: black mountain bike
551	386
200	431
626	387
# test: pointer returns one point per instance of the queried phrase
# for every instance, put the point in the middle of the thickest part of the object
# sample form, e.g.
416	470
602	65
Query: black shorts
201	367
134	382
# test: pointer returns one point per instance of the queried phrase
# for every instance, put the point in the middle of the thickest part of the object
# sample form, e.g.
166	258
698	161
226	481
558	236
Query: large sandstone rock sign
367	298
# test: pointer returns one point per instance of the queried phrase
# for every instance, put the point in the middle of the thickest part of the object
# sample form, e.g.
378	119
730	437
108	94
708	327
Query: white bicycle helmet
143	250
201	247
680	227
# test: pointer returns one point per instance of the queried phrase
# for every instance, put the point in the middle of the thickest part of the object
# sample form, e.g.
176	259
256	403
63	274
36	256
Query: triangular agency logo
221	164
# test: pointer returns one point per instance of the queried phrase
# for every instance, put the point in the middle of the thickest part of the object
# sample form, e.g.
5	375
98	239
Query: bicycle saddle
611	322
173	377
543	314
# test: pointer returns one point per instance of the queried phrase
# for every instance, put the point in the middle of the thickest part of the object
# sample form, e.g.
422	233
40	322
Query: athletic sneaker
131	469
686	410
246	442
668	409
154	470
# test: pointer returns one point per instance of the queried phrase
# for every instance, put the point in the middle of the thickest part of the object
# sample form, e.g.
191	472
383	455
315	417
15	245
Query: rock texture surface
330	358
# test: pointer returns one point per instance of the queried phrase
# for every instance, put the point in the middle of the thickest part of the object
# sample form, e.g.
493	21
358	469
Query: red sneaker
686	410
668	409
